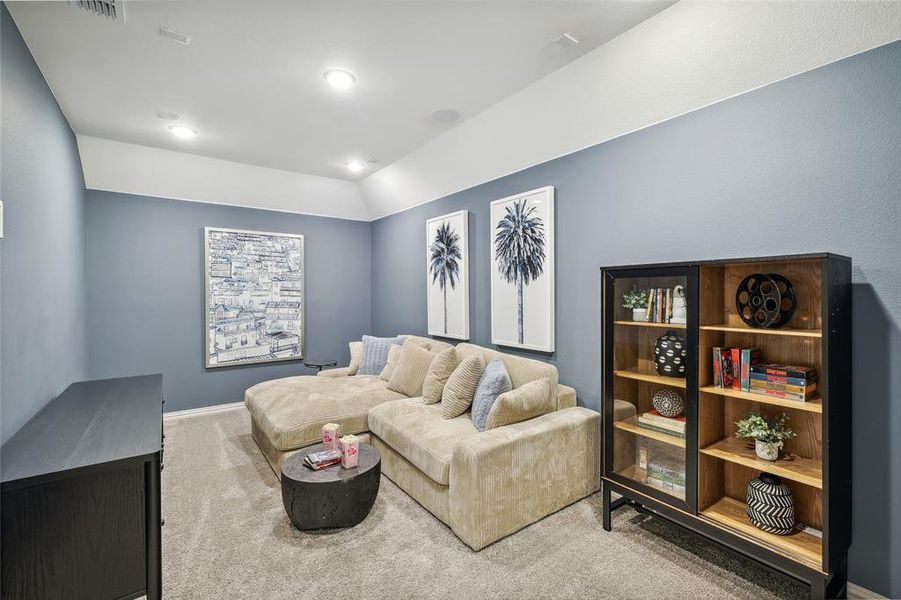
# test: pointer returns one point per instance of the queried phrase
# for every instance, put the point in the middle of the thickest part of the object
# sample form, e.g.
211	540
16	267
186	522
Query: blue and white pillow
374	356
494	382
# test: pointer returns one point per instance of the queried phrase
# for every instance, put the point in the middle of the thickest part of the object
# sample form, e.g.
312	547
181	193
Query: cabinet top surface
90	423
723	261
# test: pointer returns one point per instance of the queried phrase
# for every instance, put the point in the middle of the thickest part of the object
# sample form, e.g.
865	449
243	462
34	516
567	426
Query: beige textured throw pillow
461	386
440	369
523	403
356	356
393	356
412	364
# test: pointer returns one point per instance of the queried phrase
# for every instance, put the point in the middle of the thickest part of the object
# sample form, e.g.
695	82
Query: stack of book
657	422
660	305
667	475
784	381
323	459
732	367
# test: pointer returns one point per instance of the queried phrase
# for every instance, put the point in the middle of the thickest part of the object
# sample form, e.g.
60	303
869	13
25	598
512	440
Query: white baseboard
203	409
856	592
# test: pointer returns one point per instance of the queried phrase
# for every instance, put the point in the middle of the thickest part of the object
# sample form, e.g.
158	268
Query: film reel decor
765	300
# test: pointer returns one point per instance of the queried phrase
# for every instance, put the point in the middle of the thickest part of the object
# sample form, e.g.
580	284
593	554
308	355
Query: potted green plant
637	300
768	434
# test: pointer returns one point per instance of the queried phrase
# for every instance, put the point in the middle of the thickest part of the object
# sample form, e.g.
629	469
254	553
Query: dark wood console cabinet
81	495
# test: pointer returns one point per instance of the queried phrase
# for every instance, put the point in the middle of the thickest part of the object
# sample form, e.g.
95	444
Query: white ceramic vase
767	450
639	314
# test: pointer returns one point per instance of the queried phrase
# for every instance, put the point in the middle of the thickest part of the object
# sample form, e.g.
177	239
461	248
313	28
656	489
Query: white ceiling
251	79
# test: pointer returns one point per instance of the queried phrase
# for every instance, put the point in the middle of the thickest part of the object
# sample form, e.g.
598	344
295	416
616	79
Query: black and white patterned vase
771	506
670	355
668	403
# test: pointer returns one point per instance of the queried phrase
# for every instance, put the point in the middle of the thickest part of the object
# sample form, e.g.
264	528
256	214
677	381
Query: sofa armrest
504	479
339	372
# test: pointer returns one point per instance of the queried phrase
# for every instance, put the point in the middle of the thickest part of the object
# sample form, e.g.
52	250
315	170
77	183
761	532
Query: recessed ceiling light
355	166
182	132
340	79
445	115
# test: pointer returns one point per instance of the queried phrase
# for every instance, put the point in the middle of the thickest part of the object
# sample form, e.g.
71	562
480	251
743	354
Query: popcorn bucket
330	436
350	451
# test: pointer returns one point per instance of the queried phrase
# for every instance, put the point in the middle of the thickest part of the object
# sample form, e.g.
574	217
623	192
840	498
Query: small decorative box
350	451
330	436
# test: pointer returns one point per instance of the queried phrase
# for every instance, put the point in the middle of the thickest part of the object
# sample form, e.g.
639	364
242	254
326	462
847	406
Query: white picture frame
253	309
447	275
523	287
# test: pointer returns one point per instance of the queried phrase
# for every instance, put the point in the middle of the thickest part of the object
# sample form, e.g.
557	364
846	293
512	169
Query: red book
653	413
726	366
736	368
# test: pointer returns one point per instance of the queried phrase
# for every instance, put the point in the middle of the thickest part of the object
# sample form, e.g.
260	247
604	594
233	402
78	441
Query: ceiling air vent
113	10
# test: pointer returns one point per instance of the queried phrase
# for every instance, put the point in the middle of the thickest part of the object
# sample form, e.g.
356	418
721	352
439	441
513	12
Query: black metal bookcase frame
834	284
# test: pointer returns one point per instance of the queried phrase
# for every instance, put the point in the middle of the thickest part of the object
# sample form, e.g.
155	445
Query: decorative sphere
670	355
668	403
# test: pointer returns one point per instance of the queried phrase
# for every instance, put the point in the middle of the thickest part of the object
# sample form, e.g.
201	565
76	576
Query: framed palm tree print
522	270
447	255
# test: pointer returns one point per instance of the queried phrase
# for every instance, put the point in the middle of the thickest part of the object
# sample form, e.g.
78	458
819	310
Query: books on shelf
732	367
667	475
722	367
783	381
749	358
660	305
654	421
320	460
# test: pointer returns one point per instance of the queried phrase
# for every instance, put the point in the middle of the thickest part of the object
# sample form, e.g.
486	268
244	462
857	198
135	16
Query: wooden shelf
641	476
795	468
800	546
814	404
631	425
650	324
650	377
785	331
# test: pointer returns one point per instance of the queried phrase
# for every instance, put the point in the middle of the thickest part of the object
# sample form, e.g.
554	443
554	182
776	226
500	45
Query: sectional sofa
483	485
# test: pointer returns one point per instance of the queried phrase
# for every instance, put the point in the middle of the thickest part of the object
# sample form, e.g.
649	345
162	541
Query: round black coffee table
333	497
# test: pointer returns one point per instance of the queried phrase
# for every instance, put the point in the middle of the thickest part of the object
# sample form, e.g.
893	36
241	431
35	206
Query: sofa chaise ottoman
483	485
287	414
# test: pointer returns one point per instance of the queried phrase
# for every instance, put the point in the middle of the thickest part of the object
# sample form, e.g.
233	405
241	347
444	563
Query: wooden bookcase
815	465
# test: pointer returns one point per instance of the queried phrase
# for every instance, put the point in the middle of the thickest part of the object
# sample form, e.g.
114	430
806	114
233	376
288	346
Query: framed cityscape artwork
522	270
254	297
447	273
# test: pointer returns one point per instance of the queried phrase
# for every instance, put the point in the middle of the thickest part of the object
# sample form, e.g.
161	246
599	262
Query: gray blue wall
43	306
808	164
145	282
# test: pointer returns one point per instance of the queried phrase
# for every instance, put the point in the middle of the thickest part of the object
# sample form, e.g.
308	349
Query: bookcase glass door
650	370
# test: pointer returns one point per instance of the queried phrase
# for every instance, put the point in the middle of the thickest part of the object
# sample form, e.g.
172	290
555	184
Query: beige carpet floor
227	536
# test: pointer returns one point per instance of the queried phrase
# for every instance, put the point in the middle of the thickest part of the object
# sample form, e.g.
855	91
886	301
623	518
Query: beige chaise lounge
483	485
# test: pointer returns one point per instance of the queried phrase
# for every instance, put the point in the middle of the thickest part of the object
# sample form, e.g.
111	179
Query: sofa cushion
440	369
356	355
522	370
521	404
291	411
375	353
393	355
429	344
419	433
461	386
412	365
495	381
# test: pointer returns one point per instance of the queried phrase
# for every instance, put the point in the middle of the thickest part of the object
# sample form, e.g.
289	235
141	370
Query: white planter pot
767	450
639	314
